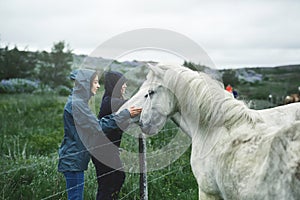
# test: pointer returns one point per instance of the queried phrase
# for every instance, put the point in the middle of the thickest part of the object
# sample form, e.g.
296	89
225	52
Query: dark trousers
109	180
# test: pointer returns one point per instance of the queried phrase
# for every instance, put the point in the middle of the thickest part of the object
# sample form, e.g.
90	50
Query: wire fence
88	181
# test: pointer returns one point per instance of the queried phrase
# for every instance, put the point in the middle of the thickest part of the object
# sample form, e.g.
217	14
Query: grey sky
246	33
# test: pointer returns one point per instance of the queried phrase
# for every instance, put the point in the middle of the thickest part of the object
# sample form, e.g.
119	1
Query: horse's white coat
237	153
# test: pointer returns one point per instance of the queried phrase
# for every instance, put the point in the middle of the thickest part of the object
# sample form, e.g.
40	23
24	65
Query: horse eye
150	93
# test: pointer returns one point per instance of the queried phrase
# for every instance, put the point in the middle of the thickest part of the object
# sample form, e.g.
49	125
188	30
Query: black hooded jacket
112	100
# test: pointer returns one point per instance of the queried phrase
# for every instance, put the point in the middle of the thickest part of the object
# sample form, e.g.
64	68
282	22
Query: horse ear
156	69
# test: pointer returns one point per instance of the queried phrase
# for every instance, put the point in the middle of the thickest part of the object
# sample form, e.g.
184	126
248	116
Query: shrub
63	90
18	85
44	144
43	89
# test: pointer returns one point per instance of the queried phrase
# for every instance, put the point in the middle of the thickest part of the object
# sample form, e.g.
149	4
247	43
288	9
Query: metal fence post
143	168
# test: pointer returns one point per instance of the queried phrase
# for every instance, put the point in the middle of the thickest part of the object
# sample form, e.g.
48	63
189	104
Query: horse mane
216	106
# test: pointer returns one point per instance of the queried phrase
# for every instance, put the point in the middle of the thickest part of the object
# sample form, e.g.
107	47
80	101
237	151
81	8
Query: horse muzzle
147	128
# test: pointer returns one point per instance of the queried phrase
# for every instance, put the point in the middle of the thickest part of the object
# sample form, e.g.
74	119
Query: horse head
158	102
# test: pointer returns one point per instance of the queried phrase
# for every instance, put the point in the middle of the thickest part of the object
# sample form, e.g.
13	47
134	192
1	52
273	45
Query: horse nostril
145	129
141	123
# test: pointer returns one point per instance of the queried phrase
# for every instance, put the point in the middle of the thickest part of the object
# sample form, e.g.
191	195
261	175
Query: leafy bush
46	143
43	89
18	85
63	90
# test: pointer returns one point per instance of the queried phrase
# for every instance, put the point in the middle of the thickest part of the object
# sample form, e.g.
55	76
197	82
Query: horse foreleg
206	196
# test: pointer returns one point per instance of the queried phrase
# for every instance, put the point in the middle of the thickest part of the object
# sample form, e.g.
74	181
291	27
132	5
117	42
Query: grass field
31	132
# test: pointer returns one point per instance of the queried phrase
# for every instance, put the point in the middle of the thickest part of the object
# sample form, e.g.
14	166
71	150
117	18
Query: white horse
237	153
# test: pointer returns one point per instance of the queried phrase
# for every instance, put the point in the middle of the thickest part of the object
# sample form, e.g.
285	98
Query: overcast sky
233	33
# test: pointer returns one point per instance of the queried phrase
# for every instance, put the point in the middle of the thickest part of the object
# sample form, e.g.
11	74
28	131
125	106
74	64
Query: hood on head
83	82
113	84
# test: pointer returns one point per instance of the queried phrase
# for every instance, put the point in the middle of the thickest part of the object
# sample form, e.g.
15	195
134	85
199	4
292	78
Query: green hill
258	83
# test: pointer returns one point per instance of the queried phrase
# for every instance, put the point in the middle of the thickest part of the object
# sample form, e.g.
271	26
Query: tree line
49	68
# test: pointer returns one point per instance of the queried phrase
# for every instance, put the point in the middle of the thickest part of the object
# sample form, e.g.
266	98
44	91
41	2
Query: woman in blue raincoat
83	132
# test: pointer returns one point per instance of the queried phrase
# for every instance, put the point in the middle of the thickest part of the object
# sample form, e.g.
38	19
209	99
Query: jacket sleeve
116	103
112	122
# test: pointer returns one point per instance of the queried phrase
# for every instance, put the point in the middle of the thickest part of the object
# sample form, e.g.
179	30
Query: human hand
134	111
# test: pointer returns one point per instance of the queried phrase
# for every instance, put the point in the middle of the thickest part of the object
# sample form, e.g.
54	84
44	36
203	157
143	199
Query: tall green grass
31	132
30	122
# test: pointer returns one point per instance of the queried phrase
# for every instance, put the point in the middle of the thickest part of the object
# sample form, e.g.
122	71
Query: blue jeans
75	185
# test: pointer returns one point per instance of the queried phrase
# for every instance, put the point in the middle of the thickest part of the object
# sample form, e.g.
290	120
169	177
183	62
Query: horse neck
203	102
187	117
182	123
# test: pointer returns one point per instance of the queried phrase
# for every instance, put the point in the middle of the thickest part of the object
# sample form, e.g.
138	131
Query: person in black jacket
111	178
